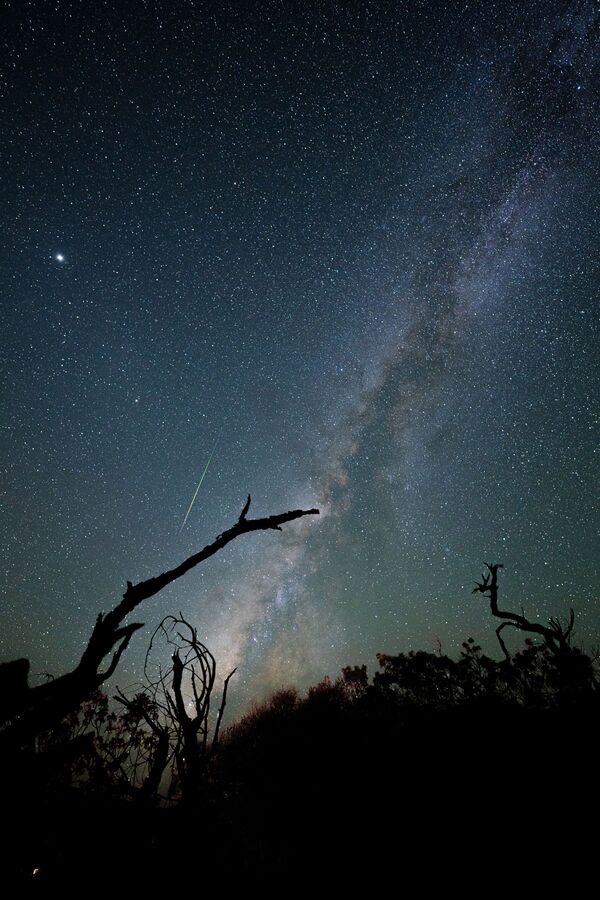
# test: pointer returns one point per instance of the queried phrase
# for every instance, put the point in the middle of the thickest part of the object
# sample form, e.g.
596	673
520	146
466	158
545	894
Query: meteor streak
200	482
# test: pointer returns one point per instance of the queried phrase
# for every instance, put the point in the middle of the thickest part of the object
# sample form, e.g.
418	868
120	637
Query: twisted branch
46	704
556	635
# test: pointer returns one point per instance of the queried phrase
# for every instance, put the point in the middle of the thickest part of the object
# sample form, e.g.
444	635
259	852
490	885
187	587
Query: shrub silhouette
429	766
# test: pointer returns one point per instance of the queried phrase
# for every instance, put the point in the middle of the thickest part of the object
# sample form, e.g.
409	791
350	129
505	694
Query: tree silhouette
556	635
176	705
145	772
30	711
565	671
399	767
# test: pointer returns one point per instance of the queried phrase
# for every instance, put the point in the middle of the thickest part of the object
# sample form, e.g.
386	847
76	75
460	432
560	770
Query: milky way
360	242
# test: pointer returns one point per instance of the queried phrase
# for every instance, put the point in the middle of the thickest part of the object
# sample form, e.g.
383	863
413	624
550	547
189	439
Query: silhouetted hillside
433	762
434	757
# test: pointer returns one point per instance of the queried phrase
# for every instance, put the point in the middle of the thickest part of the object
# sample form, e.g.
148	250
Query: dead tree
43	706
181	697
556	635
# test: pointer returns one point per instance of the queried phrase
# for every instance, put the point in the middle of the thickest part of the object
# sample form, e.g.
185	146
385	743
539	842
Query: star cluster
357	240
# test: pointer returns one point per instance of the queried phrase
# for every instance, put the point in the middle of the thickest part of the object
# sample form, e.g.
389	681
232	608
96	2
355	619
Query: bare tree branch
136	593
556	635
187	686
215	741
39	707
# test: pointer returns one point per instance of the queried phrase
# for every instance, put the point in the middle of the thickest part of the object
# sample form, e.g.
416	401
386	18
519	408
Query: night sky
354	244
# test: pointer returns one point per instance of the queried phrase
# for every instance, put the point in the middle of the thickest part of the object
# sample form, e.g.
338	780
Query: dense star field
353	248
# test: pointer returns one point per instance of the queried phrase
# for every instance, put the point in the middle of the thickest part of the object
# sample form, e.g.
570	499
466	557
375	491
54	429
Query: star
378	281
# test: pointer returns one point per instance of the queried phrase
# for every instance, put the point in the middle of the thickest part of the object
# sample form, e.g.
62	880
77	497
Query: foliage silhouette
431	765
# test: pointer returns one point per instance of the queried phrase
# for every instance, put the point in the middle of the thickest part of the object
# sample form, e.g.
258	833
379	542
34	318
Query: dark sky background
359	241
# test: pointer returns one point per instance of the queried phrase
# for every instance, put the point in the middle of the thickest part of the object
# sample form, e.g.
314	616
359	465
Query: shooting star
200	482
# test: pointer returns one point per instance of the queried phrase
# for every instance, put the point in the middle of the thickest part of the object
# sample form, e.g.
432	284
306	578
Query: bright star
59	257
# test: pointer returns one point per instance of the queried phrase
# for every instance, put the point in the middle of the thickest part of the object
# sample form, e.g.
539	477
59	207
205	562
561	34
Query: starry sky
354	244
